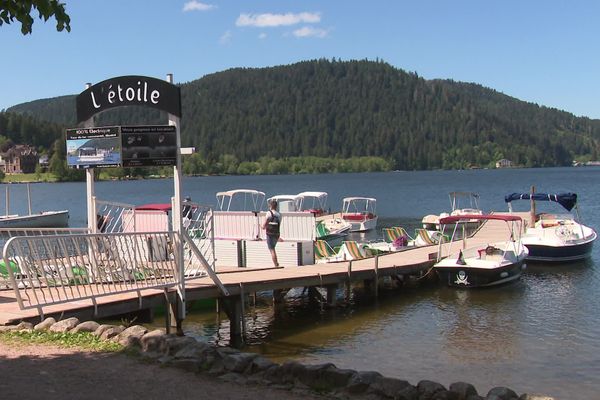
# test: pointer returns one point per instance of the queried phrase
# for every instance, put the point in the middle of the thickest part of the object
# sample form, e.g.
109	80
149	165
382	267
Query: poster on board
94	147
149	146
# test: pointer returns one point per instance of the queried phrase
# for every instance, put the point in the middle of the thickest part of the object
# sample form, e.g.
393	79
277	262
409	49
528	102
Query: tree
21	11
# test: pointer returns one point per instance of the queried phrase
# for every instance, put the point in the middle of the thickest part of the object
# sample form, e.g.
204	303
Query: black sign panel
152	145
128	91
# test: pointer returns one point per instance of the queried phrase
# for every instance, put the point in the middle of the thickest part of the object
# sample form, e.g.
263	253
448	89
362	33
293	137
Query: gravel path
32	371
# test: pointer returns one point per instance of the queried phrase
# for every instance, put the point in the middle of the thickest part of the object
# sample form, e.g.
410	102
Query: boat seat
354	217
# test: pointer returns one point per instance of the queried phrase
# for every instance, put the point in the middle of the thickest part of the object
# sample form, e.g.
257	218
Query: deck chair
401	232
395	234
424	238
323	250
390	235
350	250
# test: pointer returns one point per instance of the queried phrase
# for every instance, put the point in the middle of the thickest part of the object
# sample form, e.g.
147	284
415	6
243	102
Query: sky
545	52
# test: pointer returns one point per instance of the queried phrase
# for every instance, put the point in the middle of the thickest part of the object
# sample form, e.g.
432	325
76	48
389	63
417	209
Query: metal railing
46	267
110	218
57	269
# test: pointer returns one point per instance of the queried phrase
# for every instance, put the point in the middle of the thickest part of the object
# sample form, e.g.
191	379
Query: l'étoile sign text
128	91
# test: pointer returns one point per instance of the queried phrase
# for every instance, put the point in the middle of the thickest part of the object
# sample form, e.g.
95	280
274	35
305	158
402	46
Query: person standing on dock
271	226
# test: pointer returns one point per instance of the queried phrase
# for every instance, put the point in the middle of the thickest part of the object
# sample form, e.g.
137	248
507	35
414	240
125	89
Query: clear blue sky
546	52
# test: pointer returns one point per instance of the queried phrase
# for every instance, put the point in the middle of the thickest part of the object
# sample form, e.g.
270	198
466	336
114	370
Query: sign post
89	183
177	217
152	145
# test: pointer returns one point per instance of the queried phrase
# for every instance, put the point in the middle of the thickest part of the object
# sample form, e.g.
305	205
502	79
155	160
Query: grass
80	340
23	178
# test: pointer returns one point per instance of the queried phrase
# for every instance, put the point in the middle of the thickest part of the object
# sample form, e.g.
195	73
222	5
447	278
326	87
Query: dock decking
247	280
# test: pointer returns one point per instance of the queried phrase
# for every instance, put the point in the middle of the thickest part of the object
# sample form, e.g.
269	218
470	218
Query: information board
149	146
94	147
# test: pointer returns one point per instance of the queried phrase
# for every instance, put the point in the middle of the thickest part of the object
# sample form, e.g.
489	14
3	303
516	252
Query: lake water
540	334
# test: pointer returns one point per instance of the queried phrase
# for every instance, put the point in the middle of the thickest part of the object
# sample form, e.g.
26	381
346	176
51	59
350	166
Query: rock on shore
231	365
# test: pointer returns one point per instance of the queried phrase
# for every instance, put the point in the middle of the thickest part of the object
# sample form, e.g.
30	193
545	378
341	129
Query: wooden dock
240	281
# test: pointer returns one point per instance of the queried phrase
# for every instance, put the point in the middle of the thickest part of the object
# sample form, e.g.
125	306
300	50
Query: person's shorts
272	241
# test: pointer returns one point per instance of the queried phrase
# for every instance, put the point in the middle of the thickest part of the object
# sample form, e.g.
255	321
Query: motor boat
555	237
461	203
478	265
43	219
329	227
360	213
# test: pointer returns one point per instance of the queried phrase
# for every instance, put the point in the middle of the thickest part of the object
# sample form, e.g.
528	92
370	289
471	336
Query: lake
540	334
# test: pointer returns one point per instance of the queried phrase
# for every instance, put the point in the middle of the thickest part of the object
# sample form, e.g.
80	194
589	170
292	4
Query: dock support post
278	295
175	322
168	314
349	282
331	295
233	308
376	276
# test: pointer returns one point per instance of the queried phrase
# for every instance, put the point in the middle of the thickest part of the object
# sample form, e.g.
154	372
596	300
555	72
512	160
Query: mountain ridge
344	109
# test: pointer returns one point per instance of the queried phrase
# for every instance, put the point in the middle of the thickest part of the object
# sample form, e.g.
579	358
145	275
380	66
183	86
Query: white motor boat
360	213
461	203
555	237
481	265
330	227
43	219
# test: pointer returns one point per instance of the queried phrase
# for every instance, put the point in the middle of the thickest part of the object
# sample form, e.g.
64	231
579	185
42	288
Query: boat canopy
464	194
483	217
165	207
348	199
251	197
304	203
358	204
567	200
282	197
456	198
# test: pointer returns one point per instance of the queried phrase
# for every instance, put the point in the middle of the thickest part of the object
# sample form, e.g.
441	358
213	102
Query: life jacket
273	225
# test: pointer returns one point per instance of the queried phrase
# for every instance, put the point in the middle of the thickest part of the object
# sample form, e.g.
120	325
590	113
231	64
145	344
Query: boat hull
48	219
559	254
464	276
362	226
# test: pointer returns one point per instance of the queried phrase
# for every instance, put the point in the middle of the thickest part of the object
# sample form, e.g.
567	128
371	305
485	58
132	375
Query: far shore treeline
330	116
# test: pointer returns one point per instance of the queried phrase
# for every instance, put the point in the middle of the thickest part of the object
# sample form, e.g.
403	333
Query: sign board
128	91
122	146
149	146
94	147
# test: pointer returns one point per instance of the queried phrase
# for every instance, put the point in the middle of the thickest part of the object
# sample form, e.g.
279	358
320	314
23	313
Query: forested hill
358	108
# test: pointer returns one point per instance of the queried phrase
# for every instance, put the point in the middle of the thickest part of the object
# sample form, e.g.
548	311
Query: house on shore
504	163
19	159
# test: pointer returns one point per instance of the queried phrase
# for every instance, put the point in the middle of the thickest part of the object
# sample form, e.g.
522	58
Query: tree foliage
21	10
329	115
